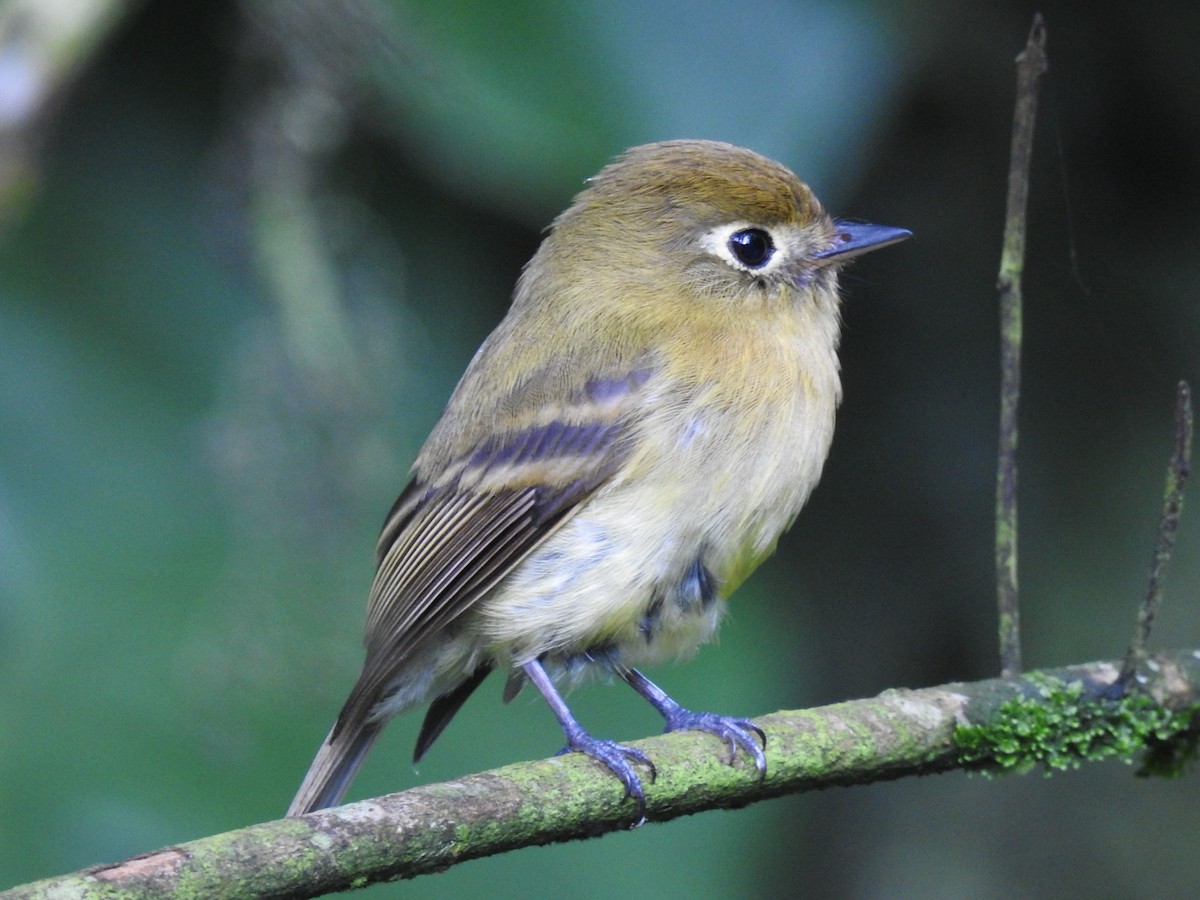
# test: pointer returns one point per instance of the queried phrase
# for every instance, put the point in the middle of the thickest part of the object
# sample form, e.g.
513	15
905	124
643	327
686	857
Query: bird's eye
752	247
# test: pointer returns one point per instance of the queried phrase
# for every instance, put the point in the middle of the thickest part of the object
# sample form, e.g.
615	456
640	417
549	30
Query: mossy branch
1059	718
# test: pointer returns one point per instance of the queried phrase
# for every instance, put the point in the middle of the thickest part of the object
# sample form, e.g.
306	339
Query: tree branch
1059	718
1178	470
1031	65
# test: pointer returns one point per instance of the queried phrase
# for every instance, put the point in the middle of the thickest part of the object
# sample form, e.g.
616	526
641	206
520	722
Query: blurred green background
246	249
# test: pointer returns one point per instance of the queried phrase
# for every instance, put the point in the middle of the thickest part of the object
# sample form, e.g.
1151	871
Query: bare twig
1031	64
1177	474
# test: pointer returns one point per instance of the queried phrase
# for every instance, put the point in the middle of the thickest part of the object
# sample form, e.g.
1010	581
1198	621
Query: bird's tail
341	753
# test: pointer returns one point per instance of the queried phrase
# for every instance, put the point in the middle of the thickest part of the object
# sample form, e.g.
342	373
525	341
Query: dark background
245	251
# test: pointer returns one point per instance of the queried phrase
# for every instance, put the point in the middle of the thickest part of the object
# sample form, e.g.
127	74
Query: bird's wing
453	536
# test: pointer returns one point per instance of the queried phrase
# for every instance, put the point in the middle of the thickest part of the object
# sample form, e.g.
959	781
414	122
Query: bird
623	450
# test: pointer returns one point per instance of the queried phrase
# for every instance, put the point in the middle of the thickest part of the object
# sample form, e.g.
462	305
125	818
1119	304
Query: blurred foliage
253	247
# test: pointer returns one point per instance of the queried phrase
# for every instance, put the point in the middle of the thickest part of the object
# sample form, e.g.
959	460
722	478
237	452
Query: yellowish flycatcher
624	449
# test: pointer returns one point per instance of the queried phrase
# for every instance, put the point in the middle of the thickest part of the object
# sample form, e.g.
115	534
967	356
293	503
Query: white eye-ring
746	247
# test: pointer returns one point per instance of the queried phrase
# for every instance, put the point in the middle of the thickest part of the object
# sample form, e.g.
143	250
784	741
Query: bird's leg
738	733
616	756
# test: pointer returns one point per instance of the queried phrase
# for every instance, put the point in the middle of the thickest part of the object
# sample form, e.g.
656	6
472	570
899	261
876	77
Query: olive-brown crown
707	182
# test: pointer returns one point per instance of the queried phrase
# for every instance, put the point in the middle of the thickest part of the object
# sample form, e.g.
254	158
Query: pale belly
641	573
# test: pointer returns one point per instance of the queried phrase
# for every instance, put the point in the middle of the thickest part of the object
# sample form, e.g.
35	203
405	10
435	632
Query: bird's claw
737	733
617	757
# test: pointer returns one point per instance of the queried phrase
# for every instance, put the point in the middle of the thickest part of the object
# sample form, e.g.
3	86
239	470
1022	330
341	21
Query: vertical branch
1031	64
1177	475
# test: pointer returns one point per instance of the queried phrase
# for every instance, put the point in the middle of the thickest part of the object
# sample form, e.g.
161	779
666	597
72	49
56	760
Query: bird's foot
739	734
617	757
